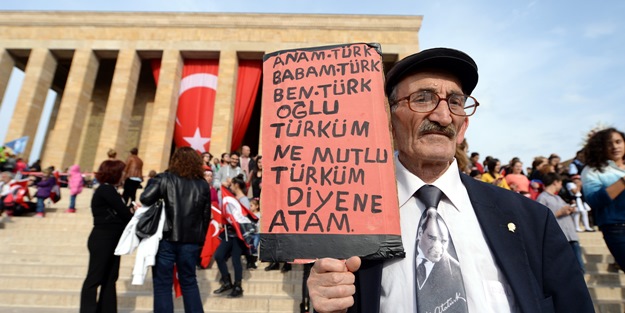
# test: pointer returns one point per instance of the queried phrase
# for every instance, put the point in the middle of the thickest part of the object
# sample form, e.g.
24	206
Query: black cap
454	61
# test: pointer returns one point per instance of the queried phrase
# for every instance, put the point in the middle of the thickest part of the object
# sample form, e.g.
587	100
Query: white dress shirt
486	287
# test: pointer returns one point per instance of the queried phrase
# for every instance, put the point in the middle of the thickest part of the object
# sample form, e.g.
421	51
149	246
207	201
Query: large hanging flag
196	103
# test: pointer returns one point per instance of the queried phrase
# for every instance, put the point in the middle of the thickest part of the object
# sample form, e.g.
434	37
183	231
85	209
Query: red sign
329	187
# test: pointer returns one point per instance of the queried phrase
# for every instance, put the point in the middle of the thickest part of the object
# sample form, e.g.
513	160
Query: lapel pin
511	227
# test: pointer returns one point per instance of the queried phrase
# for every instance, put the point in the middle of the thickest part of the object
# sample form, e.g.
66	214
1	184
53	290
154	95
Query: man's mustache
431	127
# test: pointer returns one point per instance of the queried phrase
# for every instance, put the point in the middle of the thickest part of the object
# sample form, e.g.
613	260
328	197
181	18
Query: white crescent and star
197	142
199	80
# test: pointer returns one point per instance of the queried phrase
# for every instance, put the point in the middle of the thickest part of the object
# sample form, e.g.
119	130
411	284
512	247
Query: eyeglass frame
396	102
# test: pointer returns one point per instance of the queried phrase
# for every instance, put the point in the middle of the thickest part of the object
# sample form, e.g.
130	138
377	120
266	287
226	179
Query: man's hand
565	210
331	284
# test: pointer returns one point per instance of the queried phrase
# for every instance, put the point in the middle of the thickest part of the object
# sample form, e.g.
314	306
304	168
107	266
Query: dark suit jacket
536	258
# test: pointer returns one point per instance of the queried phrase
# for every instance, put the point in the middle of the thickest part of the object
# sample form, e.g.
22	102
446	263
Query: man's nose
442	114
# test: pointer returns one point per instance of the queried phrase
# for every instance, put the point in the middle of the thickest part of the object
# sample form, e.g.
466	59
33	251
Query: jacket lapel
500	226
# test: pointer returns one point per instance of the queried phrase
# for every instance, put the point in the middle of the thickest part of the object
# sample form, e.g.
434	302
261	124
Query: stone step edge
132	293
127	281
30	309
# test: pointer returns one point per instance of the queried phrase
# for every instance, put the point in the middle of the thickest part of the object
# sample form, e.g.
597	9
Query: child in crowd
151	176
255	208
75	186
581	207
44	187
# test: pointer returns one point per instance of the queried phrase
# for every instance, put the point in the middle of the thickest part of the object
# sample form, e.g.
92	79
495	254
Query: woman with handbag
187	209
231	242
110	216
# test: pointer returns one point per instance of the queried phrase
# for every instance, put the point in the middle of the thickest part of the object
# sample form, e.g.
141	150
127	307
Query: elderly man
246	162
512	254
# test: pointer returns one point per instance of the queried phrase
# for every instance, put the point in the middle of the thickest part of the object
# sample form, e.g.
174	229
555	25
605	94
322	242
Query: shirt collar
408	183
613	165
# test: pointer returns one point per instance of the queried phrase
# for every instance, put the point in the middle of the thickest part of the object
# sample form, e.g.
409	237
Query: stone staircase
605	283
43	263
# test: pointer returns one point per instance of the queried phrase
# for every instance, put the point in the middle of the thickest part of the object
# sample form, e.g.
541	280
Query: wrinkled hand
331	284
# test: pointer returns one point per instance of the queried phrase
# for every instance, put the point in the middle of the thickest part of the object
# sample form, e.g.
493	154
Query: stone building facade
99	64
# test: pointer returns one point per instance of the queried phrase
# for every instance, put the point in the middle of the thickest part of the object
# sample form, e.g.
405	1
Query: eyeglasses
425	101
234	160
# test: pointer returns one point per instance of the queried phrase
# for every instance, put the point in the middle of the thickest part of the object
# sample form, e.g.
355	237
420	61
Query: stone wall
111	114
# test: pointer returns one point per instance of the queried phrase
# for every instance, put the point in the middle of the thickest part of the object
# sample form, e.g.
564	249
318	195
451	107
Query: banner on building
196	103
329	187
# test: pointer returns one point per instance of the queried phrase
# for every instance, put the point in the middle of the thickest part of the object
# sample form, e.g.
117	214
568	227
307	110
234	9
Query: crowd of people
573	190
192	185
540	214
593	176
532	181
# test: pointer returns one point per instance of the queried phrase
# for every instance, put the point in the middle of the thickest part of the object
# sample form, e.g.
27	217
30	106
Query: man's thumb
353	264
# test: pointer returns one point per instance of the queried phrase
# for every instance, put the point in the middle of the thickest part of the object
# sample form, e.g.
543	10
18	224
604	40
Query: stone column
145	126
6	67
31	100
401	56
62	146
119	104
160	132
260	130
85	162
223	118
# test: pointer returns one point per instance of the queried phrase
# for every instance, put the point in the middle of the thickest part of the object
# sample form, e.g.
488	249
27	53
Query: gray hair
392	98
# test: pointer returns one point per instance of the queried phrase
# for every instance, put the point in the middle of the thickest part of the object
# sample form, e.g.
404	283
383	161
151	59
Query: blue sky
549	70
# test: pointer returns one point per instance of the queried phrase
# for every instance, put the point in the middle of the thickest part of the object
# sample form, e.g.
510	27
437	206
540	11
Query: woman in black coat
110	216
187	208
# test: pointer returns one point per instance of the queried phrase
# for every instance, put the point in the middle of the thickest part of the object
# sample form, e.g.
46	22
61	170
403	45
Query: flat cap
454	61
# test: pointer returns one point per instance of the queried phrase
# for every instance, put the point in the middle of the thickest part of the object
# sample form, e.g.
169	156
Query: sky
550	70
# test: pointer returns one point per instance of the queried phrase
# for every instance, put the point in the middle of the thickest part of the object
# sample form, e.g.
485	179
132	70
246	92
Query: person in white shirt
501	238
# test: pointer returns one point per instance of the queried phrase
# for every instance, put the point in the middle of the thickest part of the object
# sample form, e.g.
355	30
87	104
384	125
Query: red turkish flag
177	287
196	103
212	237
234	213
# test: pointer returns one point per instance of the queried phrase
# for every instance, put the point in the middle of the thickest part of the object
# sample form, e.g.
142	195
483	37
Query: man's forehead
436	230
430	80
